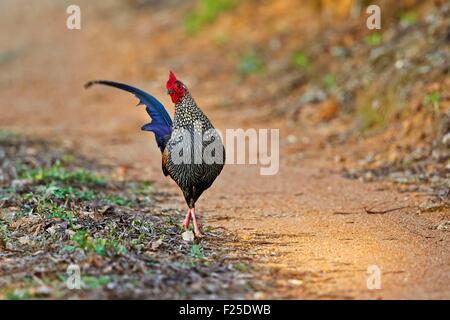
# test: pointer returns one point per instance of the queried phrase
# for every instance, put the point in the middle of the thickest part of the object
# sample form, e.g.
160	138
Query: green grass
205	13
118	200
374	39
92	282
329	82
18	294
300	59
63	193
241	266
61	213
431	101
57	173
99	246
196	252
5	134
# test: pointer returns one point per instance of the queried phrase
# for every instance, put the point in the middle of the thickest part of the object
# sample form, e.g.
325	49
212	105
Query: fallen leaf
24	240
52	230
156	244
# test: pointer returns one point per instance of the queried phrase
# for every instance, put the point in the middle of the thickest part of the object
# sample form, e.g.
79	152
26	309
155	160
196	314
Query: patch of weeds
249	63
374	39
69	248
431	101
63	193
92	282
206	12
117	200
5	233
300	59
5	135
329	82
57	173
17	294
58	212
41	202
196	252
99	246
80	238
241	266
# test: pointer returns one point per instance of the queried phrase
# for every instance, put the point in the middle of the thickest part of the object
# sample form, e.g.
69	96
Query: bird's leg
196	226
187	220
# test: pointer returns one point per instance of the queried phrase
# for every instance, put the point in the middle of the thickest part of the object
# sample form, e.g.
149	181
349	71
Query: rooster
179	139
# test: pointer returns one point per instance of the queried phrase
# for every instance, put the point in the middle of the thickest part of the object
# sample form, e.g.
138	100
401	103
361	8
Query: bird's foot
197	231
187	220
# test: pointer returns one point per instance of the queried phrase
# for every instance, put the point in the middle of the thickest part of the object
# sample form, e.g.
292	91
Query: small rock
188	236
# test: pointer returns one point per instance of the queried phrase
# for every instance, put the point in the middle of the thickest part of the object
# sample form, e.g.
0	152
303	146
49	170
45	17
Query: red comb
171	80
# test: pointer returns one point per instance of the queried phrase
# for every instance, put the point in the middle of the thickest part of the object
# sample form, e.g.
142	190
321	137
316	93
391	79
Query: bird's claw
198	234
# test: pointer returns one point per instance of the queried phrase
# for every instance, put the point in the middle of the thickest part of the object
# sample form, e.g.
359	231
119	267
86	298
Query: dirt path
285	223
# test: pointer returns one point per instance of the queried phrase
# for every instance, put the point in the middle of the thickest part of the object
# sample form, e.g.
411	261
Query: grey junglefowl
192	151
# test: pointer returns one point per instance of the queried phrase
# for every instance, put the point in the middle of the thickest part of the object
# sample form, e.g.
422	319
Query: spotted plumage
192	151
195	177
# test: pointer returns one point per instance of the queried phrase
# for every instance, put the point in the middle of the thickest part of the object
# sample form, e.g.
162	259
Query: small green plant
100	246
299	59
80	237
329	81
118	200
196	252
240	266
61	213
206	12
249	63
92	282
63	193
4	134
18	294
373	40
432	101
408	19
